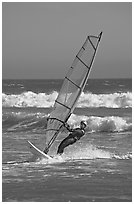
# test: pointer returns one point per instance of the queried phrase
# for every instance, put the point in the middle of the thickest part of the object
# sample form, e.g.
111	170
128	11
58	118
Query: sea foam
43	100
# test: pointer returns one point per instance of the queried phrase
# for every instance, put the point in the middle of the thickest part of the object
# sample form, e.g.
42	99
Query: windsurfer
75	134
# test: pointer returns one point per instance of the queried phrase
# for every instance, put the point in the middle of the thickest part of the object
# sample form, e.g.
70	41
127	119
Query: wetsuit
75	135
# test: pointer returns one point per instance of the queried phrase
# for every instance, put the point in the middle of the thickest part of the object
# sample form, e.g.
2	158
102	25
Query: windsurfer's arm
67	127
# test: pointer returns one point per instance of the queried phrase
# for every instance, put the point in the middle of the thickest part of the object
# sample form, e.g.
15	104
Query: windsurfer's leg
66	142
61	147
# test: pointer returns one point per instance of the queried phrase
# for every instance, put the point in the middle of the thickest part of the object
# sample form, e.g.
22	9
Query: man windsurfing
75	134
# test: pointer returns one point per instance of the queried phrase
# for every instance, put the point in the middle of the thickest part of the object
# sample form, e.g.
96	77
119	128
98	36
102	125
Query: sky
40	40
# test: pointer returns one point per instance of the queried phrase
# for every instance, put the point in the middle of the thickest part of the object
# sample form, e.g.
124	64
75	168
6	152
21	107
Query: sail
73	85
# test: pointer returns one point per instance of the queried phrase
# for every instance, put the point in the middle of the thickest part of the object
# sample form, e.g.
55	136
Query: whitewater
43	100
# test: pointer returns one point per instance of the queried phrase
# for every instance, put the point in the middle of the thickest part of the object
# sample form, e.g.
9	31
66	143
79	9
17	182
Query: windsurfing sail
73	85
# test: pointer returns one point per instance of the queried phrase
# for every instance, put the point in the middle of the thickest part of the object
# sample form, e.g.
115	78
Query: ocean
97	168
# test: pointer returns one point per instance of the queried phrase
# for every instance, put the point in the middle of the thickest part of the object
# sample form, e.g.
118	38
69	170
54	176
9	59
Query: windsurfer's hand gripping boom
67	127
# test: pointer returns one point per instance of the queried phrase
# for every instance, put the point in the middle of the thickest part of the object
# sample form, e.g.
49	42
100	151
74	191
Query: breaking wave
43	100
103	124
37	122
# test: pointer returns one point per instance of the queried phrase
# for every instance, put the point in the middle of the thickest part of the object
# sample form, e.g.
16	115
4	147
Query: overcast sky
40	40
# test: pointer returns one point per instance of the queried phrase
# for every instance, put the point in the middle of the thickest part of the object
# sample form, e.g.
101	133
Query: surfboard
37	152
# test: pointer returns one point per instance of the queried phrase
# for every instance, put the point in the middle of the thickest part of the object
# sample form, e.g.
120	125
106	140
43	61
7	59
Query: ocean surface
96	168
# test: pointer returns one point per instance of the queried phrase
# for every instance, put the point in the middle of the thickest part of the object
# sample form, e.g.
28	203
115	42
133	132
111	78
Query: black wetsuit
75	135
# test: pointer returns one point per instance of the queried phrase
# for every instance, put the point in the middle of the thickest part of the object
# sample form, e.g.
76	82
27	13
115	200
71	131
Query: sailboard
37	152
73	85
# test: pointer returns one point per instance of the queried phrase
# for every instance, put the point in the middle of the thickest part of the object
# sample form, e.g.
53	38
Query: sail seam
73	82
62	104
82	61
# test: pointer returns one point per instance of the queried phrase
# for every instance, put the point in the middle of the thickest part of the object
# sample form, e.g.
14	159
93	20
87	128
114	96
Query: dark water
96	168
48	85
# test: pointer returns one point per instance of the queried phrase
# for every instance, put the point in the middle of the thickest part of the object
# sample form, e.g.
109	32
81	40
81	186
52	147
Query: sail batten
92	44
62	105
73	85
82	61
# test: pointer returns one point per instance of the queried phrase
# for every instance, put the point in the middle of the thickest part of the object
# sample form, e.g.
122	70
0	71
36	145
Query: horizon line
62	78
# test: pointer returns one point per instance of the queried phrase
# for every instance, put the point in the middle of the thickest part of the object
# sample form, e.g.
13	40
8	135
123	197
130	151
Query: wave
37	122
114	100
22	121
29	99
123	157
103	124
43	100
